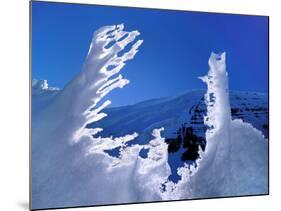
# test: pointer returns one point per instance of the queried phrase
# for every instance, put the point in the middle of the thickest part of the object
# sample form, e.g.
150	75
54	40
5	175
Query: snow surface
70	165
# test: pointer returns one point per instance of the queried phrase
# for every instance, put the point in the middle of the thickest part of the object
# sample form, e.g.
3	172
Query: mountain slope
176	114
182	117
187	108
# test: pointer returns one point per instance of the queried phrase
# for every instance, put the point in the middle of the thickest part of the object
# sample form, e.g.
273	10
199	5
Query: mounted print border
146	105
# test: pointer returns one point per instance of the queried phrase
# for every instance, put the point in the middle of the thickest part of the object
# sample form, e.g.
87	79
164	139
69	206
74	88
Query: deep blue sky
175	51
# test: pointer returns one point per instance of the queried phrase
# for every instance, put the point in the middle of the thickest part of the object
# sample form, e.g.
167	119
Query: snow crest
236	158
70	166
235	161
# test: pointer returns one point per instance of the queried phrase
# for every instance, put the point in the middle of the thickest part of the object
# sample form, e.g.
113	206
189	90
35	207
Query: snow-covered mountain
175	114
188	108
178	115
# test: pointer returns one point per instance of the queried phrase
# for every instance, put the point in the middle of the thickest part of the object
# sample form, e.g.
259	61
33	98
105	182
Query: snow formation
236	158
69	163
235	161
71	168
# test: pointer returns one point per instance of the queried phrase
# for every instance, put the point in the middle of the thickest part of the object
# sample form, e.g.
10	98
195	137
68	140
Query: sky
176	48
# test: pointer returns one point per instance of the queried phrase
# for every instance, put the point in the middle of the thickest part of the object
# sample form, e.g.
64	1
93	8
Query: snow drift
71	168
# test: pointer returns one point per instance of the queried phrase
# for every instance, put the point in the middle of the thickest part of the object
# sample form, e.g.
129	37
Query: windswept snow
235	161
70	166
236	158
69	163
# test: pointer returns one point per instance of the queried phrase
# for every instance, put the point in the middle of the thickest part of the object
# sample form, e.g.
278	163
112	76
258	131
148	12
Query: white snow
71	168
69	163
235	161
236	158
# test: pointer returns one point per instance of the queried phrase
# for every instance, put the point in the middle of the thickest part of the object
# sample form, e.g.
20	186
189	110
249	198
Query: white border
14	84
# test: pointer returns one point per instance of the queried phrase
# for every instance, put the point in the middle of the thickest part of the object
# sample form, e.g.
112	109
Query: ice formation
235	161
69	163
236	158
71	168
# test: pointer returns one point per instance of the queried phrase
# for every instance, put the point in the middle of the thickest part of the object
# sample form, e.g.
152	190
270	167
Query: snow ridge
77	169
236	158
235	161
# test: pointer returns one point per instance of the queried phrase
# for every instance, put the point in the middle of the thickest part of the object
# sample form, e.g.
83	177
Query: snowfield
71	165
